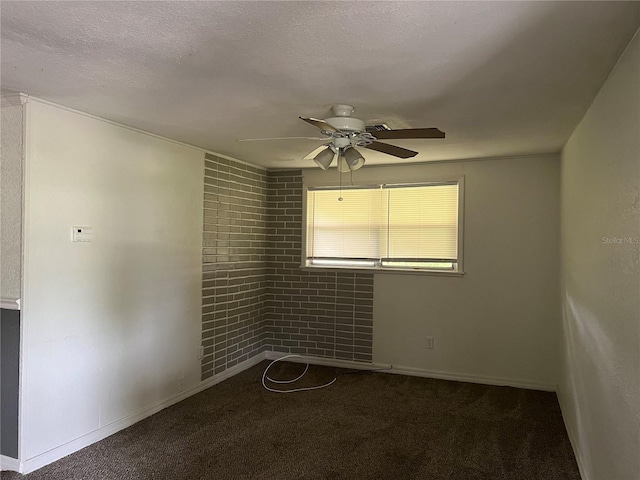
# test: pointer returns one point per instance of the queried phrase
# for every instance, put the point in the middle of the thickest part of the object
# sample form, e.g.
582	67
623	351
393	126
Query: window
407	226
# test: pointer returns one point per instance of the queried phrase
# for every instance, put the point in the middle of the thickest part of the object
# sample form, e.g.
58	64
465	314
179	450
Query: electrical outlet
429	342
200	352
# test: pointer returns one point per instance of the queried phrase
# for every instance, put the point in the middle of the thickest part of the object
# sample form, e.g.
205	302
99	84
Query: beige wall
500	322
111	328
600	387
11	203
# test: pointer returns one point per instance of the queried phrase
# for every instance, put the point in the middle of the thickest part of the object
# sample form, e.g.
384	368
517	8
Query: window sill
377	270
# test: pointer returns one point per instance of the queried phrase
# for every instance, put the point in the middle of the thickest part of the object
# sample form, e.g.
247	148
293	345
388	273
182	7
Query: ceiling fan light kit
342	166
325	157
348	158
353	158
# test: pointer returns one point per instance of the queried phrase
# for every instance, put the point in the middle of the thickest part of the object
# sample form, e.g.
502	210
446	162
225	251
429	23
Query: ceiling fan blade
321	124
392	150
279	138
408	133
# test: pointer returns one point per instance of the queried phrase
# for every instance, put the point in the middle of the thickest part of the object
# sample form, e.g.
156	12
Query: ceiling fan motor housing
347	124
342	110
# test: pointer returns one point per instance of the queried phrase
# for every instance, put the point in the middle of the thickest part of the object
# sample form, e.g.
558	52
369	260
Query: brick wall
234	275
255	296
315	313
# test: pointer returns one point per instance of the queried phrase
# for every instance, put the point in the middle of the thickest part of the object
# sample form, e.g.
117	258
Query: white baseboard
329	362
470	378
572	436
230	372
418	372
57	453
8	463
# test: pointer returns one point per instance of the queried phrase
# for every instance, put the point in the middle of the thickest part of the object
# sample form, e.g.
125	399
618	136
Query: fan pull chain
340	197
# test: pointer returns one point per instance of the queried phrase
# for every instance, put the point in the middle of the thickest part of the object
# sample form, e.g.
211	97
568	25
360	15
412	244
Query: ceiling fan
343	133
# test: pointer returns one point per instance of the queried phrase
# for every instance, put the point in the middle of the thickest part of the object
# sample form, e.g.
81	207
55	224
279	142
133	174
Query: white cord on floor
304	389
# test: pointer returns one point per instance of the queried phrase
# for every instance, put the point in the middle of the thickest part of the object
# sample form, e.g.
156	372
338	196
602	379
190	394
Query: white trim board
418	372
470	378
57	453
10	303
328	362
9	463
573	441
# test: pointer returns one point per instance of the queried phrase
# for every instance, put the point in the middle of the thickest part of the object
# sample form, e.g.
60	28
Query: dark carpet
365	426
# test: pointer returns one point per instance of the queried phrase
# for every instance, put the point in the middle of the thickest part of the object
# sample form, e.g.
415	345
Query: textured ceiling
500	78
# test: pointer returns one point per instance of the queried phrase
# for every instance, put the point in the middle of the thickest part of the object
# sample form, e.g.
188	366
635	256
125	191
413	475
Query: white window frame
459	271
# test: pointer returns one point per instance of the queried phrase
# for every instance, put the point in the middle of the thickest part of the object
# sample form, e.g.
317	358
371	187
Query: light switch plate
81	234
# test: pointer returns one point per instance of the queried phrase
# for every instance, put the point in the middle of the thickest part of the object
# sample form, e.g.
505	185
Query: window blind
413	226
422	222
347	228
